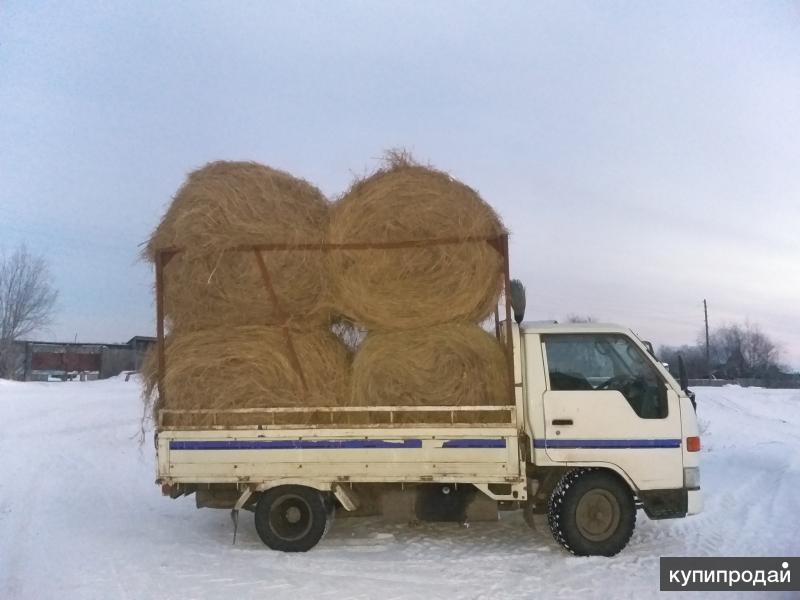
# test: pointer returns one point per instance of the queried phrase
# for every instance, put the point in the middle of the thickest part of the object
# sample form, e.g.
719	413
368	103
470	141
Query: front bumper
671	504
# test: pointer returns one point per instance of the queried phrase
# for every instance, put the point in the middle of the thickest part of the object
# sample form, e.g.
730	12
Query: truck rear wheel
292	518
592	513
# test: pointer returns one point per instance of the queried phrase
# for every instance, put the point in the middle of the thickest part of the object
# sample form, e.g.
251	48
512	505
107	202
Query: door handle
562	422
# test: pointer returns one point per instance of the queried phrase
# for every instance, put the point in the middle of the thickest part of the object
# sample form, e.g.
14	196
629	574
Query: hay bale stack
249	367
225	205
227	346
412	287
449	365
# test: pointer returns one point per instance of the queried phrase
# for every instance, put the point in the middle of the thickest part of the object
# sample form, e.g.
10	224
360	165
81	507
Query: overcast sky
644	155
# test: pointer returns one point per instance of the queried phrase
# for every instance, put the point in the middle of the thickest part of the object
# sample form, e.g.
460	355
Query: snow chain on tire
554	506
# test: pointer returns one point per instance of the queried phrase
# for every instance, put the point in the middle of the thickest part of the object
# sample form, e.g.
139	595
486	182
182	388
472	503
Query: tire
592	513
292	518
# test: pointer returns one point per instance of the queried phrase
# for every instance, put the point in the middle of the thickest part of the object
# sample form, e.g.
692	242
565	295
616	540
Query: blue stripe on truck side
475	443
557	444
410	443
289	444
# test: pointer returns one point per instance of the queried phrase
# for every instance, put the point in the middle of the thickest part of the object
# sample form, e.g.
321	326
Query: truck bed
365	455
393	452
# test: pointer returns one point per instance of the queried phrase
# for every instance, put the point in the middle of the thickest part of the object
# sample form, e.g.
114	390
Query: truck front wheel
292	518
592	512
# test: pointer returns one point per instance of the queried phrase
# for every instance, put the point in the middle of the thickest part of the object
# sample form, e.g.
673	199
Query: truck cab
607	424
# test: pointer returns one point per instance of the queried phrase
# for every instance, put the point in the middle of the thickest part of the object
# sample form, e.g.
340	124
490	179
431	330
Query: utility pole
708	359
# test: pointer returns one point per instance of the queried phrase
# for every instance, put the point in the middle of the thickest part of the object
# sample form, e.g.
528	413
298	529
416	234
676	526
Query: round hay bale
225	205
446	365
405	288
248	367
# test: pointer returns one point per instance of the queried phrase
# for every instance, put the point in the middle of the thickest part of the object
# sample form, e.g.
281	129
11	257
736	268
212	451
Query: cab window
590	362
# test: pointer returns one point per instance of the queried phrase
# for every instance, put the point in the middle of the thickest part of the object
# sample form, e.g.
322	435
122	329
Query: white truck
595	429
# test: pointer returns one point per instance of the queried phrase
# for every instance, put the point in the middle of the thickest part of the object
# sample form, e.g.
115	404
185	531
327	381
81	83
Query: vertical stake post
162	356
298	368
509	336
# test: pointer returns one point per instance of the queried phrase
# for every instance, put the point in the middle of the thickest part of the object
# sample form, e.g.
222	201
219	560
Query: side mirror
683	379
518	300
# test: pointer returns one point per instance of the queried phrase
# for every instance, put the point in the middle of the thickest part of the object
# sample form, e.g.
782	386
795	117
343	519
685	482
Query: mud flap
444	502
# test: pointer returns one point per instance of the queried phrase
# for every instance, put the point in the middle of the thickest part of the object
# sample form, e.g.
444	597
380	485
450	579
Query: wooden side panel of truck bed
475	454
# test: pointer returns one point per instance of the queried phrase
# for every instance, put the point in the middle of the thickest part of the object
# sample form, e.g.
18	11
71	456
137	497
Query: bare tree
744	351
736	351
27	300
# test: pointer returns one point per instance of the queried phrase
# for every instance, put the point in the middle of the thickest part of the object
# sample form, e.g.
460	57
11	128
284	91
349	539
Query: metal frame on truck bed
163	257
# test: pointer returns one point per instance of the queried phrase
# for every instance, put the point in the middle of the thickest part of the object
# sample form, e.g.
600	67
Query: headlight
691	478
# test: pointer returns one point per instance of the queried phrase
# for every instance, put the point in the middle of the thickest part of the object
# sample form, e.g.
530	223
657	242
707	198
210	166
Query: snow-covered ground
80	517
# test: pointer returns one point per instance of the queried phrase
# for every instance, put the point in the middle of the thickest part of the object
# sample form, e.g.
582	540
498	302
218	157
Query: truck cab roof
554	327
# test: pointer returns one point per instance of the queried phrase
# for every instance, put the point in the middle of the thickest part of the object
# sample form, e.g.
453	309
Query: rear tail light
693	444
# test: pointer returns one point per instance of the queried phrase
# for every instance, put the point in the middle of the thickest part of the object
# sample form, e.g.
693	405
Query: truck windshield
592	362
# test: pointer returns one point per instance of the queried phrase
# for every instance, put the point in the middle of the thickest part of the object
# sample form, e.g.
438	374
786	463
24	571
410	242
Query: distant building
41	361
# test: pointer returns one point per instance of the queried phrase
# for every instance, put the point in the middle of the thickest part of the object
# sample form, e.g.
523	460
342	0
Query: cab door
605	402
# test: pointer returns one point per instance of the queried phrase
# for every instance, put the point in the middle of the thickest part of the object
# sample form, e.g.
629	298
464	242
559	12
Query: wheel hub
597	515
290	517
